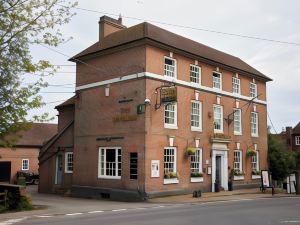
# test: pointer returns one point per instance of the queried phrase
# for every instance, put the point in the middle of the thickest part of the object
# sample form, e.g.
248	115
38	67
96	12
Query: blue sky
266	19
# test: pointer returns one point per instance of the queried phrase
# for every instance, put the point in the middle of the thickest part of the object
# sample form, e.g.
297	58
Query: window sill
196	179
109	178
69	172
256	177
218	131
171	127
171	181
196	129
238	177
238	134
254	135
170	77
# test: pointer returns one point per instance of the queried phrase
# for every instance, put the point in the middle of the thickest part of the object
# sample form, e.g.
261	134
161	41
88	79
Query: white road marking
12	221
118	210
160	206
91	212
140	208
73	214
290	221
43	216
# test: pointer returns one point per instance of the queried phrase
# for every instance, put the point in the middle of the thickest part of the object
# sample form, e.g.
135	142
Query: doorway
219	169
58	174
5	171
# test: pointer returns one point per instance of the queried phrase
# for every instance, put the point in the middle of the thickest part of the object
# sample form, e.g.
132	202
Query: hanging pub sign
168	94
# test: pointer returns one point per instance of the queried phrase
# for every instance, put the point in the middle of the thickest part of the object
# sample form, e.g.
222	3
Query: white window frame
195	74
171	125
297	140
193	116
255	161
254	124
100	175
221	119
240	162
253	90
67	154
236	85
196	159
237	132
25	160
214	81
174	158
167	71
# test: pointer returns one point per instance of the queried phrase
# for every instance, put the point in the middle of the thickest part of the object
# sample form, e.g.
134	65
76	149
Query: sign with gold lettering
168	94
125	116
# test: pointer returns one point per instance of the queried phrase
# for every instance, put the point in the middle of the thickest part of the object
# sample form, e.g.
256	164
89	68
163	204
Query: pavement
50	205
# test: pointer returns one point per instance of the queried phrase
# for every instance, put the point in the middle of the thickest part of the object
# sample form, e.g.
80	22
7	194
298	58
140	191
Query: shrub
24	204
2	209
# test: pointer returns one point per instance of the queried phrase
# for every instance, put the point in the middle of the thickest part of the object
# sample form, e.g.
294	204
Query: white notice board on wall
154	168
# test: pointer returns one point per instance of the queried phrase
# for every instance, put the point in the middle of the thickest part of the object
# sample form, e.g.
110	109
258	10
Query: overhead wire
193	28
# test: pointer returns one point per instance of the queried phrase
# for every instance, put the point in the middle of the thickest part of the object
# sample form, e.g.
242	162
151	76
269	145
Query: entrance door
5	170
219	169
58	175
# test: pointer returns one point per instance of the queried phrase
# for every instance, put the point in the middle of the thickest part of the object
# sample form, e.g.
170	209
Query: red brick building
145	98
291	136
24	155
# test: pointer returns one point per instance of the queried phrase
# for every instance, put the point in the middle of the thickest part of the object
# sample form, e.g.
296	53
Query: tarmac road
273	211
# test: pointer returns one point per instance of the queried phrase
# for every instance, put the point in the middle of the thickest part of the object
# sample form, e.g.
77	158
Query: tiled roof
296	129
68	102
158	35
37	134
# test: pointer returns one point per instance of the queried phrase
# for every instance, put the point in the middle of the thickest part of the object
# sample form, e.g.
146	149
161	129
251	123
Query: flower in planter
255	172
196	174
238	173
251	152
170	175
190	151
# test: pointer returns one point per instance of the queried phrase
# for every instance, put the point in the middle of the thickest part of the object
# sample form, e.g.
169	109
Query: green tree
281	161
297	157
24	23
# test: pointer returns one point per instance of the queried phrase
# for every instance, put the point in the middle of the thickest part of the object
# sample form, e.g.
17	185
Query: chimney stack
108	25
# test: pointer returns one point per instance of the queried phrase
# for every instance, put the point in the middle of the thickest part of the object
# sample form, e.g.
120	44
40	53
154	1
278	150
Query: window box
255	177
238	177
171	181
196	179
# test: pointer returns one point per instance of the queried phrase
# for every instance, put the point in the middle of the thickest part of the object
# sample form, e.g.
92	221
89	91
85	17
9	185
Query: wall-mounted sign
209	170
125	116
169	94
154	168
140	109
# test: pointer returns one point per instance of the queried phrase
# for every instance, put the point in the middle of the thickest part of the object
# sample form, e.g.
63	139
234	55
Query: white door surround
222	151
